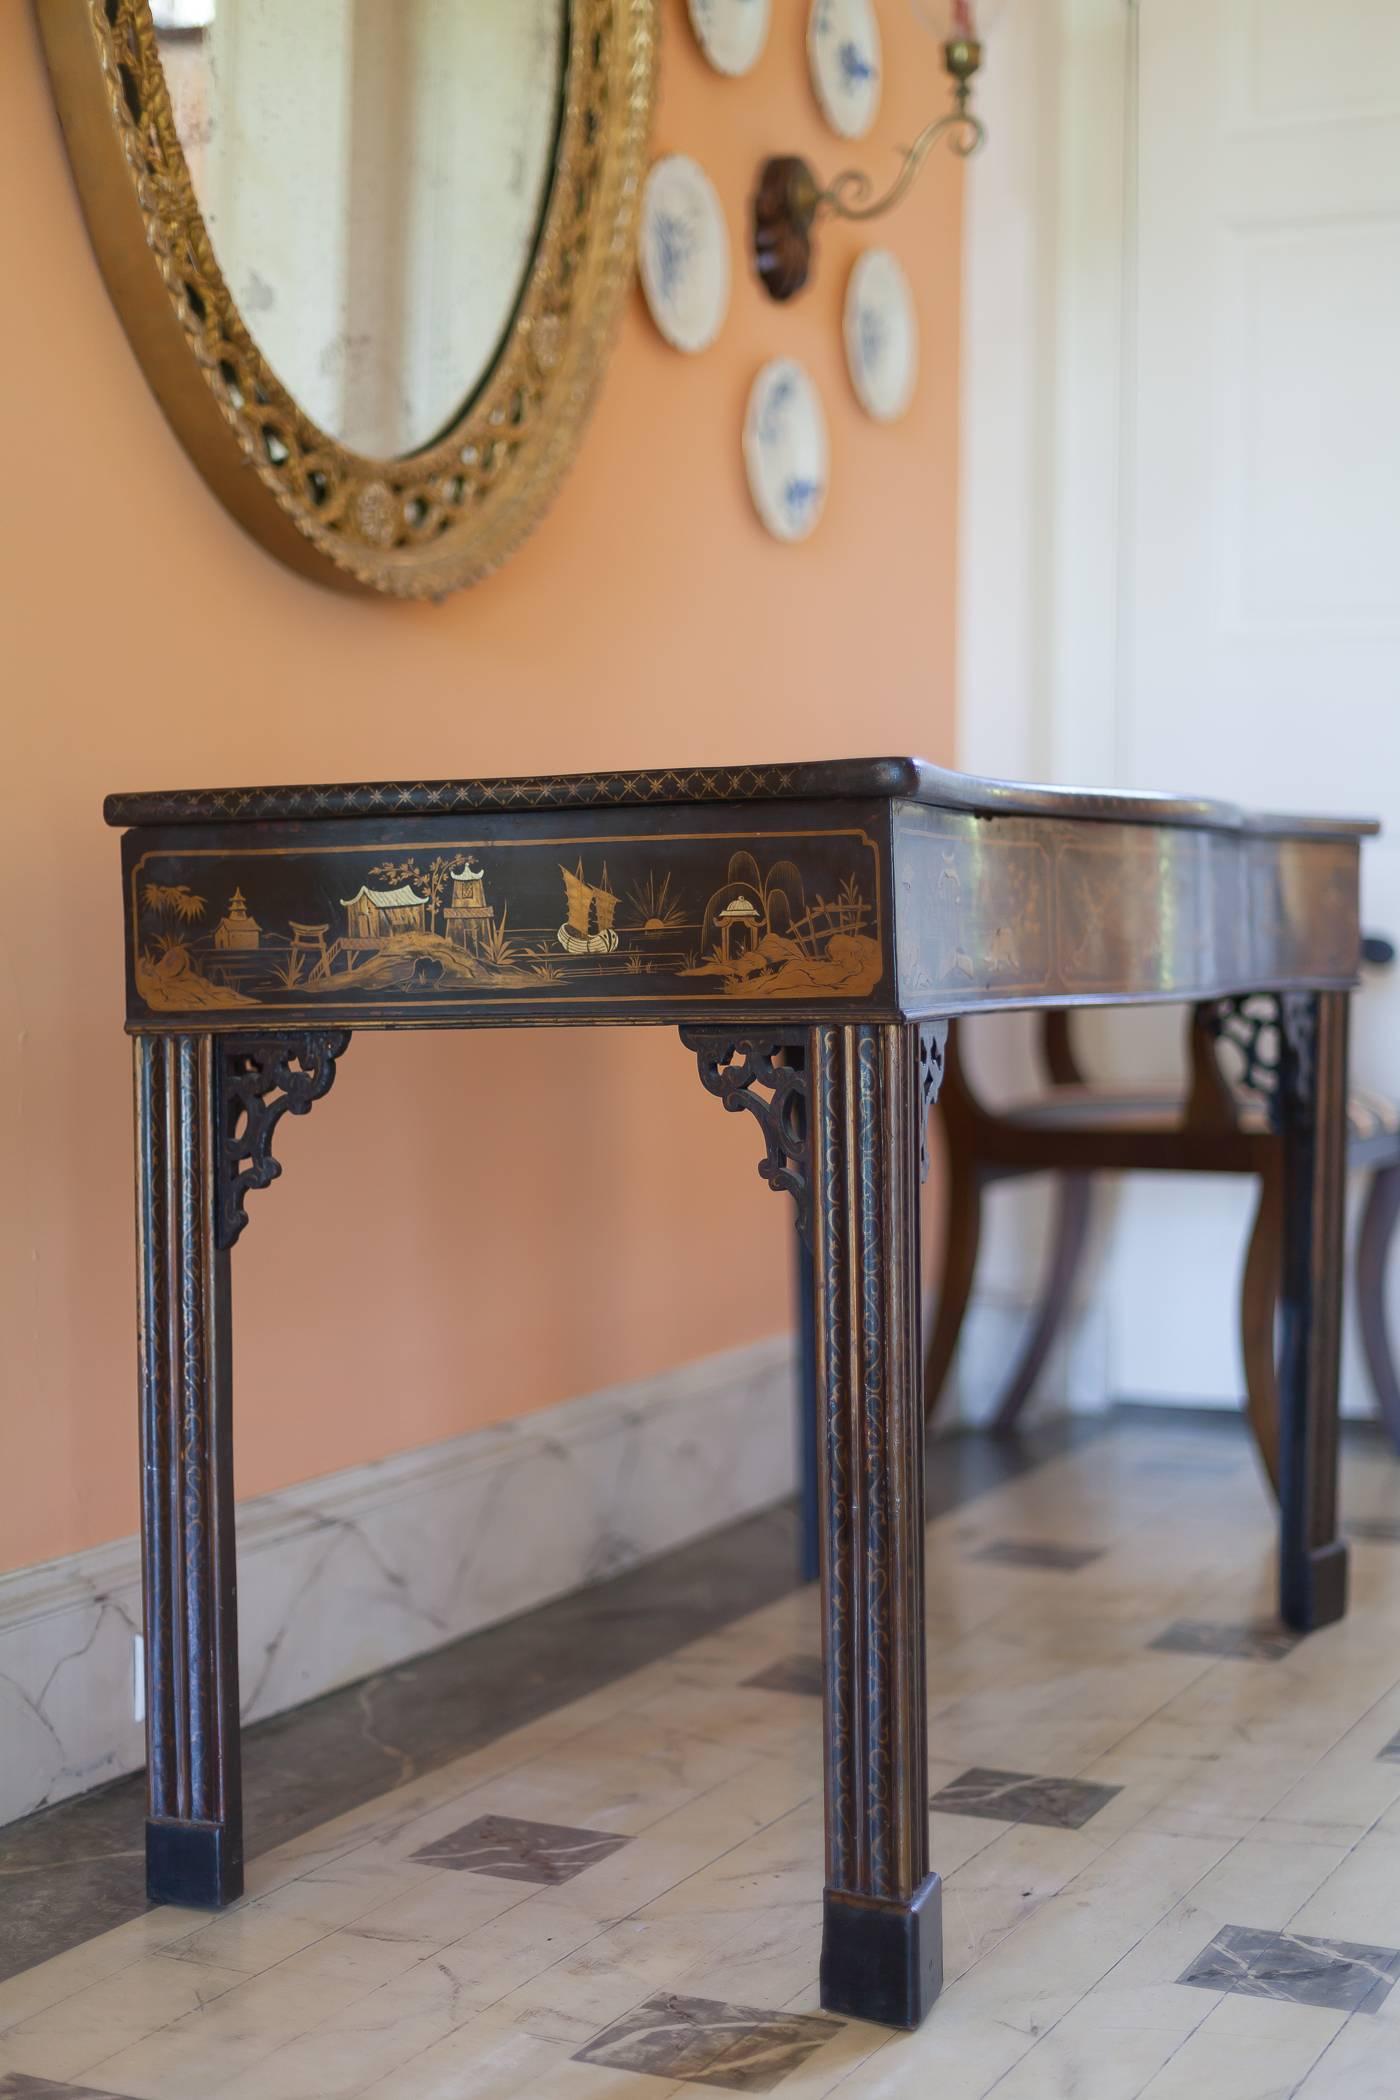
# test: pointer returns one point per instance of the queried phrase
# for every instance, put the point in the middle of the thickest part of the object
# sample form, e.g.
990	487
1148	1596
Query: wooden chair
1220	1126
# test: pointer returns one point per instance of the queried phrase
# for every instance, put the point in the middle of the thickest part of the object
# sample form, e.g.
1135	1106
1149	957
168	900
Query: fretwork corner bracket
260	1079
1272	1036
767	1075
933	1044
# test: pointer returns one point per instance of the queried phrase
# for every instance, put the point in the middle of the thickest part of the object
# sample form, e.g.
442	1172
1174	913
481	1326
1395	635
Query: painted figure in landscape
399	928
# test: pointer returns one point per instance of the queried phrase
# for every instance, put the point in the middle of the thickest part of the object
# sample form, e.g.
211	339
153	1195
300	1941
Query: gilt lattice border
448	515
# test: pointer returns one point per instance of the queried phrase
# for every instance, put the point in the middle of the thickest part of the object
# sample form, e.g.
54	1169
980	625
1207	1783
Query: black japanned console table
810	929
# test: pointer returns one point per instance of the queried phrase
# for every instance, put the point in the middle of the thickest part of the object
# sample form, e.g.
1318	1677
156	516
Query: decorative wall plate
843	51
785	449
684	253
731	33
882	335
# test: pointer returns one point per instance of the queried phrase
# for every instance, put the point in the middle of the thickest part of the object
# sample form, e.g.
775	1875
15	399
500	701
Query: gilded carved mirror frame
439	518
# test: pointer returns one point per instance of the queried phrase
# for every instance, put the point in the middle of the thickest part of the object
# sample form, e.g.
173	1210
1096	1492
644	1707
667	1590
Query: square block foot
1316	1595
881	1960
199	1864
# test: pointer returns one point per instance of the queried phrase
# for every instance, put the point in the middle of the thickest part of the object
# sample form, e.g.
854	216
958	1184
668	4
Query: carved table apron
809	929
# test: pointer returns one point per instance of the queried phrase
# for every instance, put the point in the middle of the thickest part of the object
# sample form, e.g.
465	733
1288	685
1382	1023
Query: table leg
1312	1114
194	1837
882	1956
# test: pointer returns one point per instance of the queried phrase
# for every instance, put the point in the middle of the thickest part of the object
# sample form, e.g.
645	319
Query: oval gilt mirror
371	253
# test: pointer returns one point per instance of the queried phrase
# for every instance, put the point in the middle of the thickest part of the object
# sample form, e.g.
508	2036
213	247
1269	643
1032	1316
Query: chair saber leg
1074	1199
1373	1246
809	1474
1259	1300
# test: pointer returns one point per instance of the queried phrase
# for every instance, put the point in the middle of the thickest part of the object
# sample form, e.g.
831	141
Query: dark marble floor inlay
703	2041
1339	1974
1027	1553
18	2085
511	1849
1253	1641
1020	1797
791	1673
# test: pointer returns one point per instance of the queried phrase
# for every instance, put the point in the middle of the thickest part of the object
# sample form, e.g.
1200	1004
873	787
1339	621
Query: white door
1261	614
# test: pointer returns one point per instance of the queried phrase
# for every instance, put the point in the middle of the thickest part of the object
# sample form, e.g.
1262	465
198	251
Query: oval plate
785	449
683	254
843	51
731	33
882	335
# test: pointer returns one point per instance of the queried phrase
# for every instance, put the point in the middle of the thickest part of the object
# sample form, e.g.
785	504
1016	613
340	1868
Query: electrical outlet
138	1677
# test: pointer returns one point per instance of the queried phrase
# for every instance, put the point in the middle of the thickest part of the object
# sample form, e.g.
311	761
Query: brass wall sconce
790	201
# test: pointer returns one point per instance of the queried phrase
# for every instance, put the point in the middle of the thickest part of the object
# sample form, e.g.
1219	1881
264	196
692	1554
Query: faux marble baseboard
355	1572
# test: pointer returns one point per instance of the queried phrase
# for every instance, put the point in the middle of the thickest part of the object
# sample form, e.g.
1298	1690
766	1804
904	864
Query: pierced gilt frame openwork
426	524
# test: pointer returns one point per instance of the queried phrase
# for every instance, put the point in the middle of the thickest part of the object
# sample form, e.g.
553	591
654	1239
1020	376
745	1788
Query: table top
825	780
879	888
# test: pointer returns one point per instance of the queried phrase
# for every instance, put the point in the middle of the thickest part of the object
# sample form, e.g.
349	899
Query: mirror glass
373	175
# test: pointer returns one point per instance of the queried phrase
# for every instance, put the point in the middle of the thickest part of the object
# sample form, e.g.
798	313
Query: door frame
1045	507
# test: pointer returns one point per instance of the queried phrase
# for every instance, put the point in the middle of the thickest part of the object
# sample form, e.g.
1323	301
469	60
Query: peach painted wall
473	1225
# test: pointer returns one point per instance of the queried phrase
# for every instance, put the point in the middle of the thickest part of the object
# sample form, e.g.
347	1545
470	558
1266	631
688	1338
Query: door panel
1262	594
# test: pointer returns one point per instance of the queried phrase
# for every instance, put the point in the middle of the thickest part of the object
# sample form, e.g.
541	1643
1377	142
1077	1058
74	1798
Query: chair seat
1100	1108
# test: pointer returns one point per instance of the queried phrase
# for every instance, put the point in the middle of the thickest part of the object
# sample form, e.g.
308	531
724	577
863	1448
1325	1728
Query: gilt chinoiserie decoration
808	930
454	918
380	346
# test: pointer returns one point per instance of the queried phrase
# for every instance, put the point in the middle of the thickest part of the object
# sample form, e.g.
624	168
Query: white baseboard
366	1568
995	1326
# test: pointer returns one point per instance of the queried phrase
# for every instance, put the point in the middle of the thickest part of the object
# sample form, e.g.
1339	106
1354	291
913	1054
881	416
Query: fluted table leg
882	1953
1312	1114
194	1834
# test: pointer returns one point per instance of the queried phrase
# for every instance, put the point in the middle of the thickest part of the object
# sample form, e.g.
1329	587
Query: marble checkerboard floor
1170	1837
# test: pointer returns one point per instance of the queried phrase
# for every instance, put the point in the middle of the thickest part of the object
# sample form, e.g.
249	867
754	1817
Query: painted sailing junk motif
269	929
588	930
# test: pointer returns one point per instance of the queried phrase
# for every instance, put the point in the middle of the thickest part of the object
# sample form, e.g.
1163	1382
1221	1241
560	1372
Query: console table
810	929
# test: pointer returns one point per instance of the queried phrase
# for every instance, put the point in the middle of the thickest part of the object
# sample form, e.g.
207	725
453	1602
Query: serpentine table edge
810	929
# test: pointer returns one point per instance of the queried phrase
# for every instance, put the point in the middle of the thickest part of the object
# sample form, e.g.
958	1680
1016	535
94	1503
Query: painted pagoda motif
237	929
373	915
468	919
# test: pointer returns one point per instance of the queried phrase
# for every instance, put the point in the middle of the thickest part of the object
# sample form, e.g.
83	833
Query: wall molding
363	1569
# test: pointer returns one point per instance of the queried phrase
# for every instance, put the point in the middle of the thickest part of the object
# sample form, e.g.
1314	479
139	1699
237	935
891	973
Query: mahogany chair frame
1218	1126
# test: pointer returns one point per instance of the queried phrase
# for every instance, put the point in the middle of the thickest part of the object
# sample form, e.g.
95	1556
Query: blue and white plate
785	449
684	254
843	51
882	335
731	33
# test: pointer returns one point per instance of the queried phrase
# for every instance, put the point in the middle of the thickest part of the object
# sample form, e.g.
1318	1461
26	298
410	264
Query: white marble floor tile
79	2030
1250	1796
1246	2049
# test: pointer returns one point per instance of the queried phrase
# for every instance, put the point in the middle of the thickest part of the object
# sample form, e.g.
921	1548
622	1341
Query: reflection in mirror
373	175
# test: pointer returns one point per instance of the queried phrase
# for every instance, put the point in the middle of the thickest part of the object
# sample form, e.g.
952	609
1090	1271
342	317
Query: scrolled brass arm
847	195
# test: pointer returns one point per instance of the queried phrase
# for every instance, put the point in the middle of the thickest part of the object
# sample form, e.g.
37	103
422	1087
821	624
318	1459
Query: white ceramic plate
684	255
843	51
731	33
882	335
785	449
